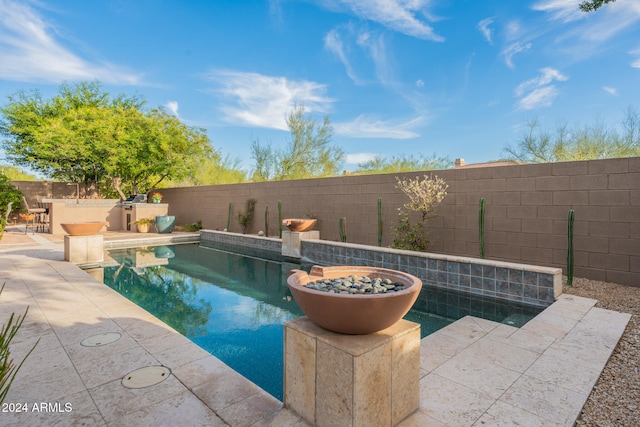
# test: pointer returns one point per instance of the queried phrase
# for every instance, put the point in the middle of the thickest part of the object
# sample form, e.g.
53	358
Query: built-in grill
136	198
127	205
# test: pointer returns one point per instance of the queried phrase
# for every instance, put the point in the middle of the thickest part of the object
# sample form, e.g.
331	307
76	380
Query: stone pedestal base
83	249
332	379
291	241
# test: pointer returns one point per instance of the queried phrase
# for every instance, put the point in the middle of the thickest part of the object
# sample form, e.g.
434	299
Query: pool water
234	306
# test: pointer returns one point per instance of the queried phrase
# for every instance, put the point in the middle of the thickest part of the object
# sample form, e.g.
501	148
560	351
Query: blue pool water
234	306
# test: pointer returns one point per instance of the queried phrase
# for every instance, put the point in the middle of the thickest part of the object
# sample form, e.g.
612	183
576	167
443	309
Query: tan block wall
526	212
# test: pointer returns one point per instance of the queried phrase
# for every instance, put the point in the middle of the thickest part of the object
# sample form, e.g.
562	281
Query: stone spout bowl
353	314
297	224
83	228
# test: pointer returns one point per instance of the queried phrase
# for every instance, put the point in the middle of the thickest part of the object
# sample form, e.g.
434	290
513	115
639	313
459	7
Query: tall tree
82	135
538	145
308	154
403	163
592	5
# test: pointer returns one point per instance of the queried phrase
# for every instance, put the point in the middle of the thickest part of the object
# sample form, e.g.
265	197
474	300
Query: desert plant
408	235
8	194
343	229
280	219
228	218
244	218
481	226
266	221
8	369
144	221
425	195
570	247
196	226
379	221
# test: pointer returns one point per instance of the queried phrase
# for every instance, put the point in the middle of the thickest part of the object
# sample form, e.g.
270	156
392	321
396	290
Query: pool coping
473	372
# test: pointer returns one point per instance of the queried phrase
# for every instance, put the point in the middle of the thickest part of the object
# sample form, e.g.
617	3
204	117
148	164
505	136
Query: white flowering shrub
425	195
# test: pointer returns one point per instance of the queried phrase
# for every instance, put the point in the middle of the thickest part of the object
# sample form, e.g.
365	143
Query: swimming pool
234	306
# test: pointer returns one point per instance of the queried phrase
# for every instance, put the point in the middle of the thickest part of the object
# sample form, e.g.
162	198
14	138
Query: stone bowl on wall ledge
88	228
354	314
299	224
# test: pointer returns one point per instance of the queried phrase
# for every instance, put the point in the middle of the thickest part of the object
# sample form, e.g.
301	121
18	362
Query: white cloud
263	101
333	42
397	15
376	48
561	10
610	90
537	98
539	91
596	27
367	127
345	41
420	83
483	27
513	49
357	158
636	62
172	106
30	52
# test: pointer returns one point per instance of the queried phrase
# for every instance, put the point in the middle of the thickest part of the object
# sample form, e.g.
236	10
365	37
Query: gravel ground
615	400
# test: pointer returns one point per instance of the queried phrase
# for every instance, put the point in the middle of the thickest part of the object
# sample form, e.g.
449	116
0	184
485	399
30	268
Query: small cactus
343	229
379	221
279	219
481	226
266	220
570	248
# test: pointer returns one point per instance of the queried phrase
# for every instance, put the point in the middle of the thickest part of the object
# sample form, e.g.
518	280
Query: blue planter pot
165	223
164	252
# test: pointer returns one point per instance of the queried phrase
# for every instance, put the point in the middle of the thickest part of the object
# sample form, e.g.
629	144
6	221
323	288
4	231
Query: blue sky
451	78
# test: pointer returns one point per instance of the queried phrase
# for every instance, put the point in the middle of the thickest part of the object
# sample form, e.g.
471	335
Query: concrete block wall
526	212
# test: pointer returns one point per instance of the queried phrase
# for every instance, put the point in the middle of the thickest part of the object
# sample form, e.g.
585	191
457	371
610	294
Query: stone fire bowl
83	228
353	314
298	224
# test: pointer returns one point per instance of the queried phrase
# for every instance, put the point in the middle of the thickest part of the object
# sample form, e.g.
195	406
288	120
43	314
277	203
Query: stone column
291	241
333	379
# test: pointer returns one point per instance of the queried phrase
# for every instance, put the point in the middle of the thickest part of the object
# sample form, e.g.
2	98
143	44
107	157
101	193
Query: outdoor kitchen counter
83	210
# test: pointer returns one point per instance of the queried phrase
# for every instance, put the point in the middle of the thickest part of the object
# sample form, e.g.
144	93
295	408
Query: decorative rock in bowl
88	228
355	313
299	225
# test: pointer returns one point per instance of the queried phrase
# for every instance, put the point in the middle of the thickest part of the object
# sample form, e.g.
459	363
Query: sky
450	78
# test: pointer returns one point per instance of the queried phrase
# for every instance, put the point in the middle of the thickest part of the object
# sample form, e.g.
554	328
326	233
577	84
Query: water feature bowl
88	228
299	225
354	314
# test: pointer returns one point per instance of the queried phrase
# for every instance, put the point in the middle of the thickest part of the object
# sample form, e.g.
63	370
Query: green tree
307	155
210	171
593	5
8	194
82	135
596	141
16	174
404	163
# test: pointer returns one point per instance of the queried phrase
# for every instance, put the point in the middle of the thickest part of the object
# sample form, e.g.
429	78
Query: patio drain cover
101	339
146	377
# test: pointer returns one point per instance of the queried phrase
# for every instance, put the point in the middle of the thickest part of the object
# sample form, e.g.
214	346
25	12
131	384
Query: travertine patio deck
474	372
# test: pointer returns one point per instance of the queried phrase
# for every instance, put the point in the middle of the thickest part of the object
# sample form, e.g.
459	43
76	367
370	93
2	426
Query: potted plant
144	224
157	197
